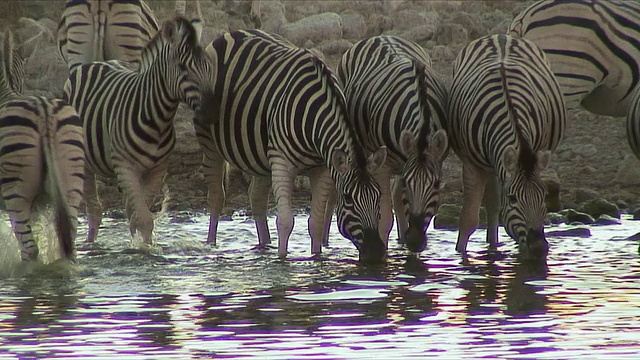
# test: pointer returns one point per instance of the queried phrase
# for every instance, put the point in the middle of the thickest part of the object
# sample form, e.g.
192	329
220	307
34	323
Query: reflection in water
190	300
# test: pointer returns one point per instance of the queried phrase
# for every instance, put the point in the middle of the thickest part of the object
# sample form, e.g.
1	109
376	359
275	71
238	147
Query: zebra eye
512	199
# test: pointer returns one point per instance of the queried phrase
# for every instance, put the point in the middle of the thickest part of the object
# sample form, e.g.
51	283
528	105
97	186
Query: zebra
395	100
278	111
41	158
128	118
506	116
101	30
593	47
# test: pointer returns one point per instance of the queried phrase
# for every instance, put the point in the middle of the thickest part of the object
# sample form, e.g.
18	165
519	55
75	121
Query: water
188	300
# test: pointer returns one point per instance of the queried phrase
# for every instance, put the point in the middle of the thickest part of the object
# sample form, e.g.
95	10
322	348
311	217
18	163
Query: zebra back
507	115
99	30
593	47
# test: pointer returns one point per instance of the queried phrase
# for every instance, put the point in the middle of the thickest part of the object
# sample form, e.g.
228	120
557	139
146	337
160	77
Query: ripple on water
186	299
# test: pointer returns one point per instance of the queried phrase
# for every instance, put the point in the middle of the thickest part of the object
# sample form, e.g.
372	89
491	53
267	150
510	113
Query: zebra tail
63	224
7	59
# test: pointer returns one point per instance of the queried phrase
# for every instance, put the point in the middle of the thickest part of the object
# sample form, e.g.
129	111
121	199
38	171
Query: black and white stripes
395	100
41	158
100	30
128	117
593	47
278	110
506	117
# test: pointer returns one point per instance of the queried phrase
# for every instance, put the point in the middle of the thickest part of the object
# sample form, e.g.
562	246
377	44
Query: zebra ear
376	160
340	161
169	32
198	25
407	142
543	159
510	159
438	144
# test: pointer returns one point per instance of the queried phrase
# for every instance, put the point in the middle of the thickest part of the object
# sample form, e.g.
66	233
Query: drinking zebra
128	118
506	116
395	100
593	47
100	30
278	111
41	158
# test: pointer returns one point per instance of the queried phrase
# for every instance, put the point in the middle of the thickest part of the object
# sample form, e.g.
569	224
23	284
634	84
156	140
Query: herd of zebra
274	110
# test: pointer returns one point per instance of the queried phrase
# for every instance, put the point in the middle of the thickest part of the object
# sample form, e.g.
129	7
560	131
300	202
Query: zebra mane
423	89
357	149
8	53
527	159
190	38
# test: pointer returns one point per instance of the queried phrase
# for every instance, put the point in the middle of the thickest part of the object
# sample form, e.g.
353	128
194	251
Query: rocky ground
594	159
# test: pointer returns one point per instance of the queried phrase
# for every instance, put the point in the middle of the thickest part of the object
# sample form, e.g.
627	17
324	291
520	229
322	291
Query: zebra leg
92	204
492	204
282	176
259	191
474	182
383	177
140	217
19	201
398	208
328	214
152	183
213	170
322	192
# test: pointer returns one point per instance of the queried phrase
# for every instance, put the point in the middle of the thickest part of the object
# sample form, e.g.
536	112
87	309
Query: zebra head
421	183
523	200
188	60
358	203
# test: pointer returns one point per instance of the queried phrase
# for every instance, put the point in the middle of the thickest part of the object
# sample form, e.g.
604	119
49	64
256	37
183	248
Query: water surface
188	300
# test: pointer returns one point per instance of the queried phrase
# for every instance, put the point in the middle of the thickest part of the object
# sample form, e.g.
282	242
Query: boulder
334	47
314	28
636	214
448	214
272	15
554	218
354	25
574	216
574	232
599	206
584	194
628	172
605	219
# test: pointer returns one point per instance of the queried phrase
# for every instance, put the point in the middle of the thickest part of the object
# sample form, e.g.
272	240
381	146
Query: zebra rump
101	30
593	47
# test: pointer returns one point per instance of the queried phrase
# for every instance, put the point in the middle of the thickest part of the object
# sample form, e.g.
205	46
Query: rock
451	34
554	218
272	15
442	53
599	206
636	214
584	194
574	232
334	47
314	28
378	24
552	182
448	214
628	172
585	150
354	25
634	237
605	219
621	204
573	216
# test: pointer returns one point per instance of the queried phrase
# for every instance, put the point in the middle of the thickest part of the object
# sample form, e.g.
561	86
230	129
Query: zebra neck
159	89
6	94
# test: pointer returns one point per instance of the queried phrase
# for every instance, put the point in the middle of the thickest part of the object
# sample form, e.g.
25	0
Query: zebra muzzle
415	236
372	249
537	246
